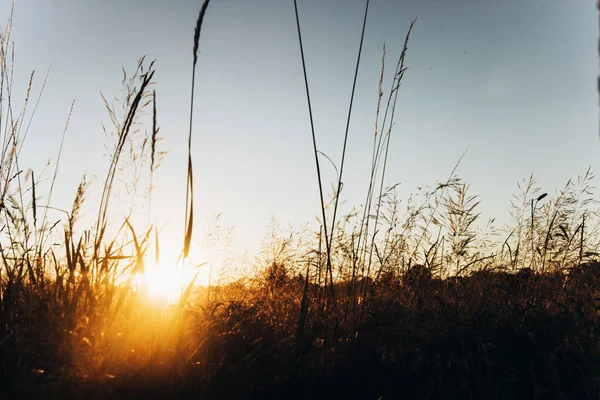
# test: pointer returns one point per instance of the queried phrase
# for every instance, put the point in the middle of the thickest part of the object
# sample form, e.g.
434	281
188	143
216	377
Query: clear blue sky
512	81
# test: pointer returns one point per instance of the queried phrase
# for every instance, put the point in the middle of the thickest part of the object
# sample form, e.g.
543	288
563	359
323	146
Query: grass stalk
189	192
400	74
316	153
341	172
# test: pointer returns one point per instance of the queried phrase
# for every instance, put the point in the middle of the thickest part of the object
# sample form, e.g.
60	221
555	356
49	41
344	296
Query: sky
512	83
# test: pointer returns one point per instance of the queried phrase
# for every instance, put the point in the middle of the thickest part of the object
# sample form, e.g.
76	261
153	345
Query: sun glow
166	281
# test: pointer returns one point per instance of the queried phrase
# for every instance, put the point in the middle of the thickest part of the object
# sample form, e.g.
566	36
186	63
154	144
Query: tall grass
318	166
189	193
410	297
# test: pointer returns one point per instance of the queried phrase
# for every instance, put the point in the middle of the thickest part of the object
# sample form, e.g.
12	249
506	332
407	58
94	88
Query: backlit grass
409	297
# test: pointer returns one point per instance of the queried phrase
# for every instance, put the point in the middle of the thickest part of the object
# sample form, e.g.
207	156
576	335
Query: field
414	299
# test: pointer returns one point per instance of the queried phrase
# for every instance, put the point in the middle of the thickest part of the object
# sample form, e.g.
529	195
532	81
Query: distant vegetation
402	300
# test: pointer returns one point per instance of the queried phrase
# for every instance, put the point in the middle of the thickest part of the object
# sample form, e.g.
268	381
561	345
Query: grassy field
398	300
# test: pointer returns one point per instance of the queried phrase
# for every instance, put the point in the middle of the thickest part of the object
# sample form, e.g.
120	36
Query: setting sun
164	282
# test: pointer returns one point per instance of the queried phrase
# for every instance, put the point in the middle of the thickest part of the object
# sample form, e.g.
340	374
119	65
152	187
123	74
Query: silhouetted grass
429	303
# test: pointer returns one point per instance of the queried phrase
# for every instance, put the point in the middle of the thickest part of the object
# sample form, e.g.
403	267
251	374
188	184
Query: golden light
164	282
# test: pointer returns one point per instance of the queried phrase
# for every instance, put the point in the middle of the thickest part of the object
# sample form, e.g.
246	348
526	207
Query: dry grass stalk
189	194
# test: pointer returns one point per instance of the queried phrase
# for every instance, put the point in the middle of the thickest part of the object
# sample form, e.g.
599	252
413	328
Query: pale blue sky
512	81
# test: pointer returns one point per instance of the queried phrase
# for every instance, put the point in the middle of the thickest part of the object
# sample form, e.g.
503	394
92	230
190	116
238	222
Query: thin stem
314	140
339	186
